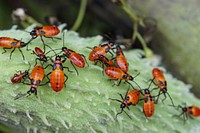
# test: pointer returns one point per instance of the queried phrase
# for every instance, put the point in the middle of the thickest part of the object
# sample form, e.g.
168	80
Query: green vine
136	20
80	16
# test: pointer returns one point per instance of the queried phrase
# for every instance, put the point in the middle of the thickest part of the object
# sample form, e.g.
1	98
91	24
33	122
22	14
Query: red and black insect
101	50
57	75
120	59
75	58
117	74
11	43
21	75
35	77
148	105
131	98
161	83
40	54
18	77
188	111
45	31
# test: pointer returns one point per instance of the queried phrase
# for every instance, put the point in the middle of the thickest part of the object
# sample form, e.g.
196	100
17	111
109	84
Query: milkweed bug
131	98
11	43
191	111
74	57
22	75
18	77
45	31
160	81
36	76
117	74
148	105
120	59
101	50
40	54
57	74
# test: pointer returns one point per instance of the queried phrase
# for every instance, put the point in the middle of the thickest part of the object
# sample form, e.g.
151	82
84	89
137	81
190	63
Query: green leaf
84	105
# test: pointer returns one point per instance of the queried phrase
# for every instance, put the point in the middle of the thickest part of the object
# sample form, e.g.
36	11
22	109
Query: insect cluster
57	78
116	68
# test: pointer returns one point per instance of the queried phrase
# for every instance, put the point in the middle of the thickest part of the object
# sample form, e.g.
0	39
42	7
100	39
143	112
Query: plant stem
129	11
148	52
135	30
80	15
136	21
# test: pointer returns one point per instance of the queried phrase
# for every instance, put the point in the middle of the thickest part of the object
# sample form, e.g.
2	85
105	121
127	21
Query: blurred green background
101	16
